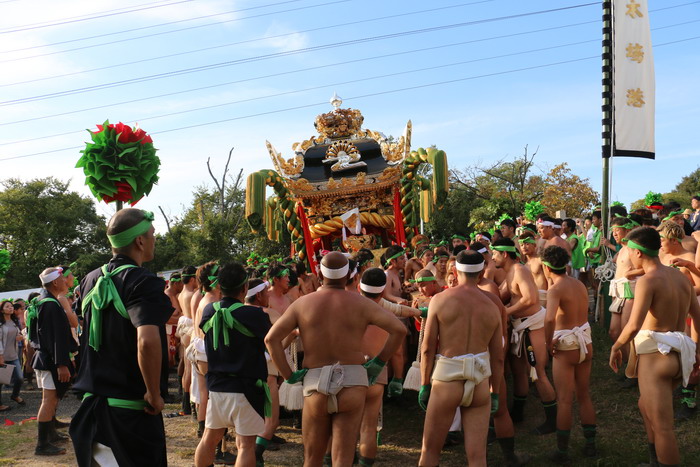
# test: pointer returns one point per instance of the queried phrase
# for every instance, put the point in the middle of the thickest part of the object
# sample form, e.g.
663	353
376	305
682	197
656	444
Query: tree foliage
43	225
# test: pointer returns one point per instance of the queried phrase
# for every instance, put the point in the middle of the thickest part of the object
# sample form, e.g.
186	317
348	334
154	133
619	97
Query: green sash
122	403
33	314
221	319
100	297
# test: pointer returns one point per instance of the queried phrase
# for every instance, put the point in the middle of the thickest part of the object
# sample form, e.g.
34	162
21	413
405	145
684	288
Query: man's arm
279	331
528	291
389	323
429	347
391	284
150	359
553	299
70	314
496	357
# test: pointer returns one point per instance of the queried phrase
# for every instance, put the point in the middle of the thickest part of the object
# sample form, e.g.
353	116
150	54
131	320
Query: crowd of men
251	339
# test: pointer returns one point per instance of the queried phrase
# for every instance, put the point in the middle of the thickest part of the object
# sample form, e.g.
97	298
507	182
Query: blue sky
488	112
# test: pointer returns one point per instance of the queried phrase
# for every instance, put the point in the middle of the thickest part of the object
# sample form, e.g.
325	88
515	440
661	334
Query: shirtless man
568	337
462	324
673	254
545	227
508	227
278	277
371	286
395	261
688	242
353	282
663	355
622	286
172	290
426	255
527	319
414	265
307	282
207	276
528	247
440	260
184	331
491	272
427	288
332	323
458	240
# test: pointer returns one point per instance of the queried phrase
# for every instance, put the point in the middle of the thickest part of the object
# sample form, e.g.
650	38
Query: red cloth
307	238
399	231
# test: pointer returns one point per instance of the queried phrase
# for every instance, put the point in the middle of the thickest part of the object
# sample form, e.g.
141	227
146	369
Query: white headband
469	268
354	272
329	273
257	289
482	250
371	288
50	277
546	223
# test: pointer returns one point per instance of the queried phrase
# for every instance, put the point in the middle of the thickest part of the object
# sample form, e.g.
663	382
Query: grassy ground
621	437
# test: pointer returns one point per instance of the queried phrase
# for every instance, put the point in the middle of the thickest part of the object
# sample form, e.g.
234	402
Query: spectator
10	335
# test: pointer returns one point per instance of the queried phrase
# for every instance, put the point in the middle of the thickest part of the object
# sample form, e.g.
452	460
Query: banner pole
608	127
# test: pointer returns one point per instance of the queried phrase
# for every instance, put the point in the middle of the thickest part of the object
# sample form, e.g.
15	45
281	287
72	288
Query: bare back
209	297
573	303
185	299
667	293
332	324
466	319
558	241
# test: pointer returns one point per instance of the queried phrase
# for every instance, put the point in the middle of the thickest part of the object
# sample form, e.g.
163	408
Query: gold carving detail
290	168
390	174
344	155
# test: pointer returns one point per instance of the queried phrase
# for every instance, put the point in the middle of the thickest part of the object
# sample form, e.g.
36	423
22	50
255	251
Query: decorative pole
608	126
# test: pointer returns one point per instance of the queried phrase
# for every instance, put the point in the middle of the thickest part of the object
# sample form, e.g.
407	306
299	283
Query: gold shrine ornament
345	156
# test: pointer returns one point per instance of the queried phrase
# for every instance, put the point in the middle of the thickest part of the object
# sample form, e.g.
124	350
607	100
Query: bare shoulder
493	297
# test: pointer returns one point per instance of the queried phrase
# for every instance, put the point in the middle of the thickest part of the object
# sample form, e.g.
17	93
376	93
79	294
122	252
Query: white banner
634	84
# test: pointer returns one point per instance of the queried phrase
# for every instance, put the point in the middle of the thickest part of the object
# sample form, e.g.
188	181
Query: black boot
327	460
43	446
54	435
59	424
508	448
223	457
589	449
186	407
200	428
516	412
562	453
365	461
550	422
653	460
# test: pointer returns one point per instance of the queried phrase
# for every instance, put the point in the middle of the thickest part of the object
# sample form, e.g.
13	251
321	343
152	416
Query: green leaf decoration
120	163
617	203
652	198
5	262
533	209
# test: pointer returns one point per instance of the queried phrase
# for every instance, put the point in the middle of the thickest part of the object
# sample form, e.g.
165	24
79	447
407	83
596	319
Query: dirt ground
621	437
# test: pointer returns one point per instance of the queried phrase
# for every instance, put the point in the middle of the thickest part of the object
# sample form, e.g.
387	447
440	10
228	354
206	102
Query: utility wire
77	20
228	83
153	34
247	41
278	54
363	96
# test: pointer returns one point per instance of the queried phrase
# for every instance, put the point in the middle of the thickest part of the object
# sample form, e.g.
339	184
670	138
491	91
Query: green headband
421	241
282	273
636	246
529	229
187	275
671	214
546	263
441	255
66	272
423	279
175	279
507	248
527	240
427	250
213	277
459	237
443	243
397	255
124	238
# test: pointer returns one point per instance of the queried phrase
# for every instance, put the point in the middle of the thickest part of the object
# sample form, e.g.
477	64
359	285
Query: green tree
568	192
44	224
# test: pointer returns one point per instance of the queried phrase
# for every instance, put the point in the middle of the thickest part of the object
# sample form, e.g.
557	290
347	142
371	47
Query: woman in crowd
10	335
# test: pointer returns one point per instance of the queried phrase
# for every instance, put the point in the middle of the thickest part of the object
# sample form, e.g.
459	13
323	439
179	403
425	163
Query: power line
363	96
77	20
248	41
504	36
278	54
151	35
300	70
313	88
